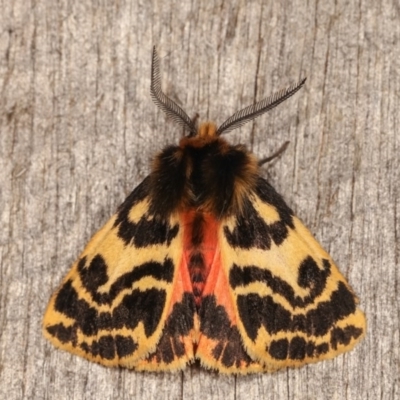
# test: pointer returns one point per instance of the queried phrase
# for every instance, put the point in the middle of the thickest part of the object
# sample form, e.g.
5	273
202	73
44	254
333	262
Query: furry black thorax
205	173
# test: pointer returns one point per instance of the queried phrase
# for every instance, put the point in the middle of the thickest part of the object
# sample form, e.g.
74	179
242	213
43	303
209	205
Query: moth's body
205	261
217	177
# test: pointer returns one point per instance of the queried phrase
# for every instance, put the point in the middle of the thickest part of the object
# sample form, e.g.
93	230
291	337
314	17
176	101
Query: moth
204	261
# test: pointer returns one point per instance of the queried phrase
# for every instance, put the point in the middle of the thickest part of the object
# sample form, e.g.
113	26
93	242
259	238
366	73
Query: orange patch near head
207	130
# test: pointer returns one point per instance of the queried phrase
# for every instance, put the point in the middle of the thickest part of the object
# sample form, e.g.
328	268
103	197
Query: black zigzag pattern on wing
148	230
251	231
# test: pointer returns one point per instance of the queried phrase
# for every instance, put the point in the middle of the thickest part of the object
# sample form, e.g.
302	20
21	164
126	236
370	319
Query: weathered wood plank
78	128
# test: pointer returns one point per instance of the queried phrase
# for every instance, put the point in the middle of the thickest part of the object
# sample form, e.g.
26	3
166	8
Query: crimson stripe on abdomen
200	242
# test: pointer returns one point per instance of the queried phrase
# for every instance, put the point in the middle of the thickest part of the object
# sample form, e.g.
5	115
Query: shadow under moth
205	261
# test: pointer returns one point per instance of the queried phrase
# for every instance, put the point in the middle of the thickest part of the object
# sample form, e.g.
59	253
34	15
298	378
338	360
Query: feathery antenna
164	102
255	110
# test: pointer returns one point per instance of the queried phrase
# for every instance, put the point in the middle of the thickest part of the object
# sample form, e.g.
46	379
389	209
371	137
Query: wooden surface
78	128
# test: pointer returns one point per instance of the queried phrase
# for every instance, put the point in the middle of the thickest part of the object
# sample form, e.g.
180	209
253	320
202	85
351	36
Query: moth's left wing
278	300
125	301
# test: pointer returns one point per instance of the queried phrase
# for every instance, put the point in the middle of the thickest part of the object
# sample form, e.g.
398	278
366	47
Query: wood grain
78	128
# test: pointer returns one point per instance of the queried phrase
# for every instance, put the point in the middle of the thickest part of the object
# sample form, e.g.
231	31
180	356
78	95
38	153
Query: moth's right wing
125	301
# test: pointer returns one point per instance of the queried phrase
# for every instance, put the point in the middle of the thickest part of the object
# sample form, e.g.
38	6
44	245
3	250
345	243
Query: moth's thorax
204	173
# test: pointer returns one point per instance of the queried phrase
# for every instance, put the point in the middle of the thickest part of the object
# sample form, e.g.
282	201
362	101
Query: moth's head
208	131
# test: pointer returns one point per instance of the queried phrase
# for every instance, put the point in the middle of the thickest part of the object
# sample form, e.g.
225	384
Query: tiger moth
205	262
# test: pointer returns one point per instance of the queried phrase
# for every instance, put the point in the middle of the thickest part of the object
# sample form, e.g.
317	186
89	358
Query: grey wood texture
78	128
